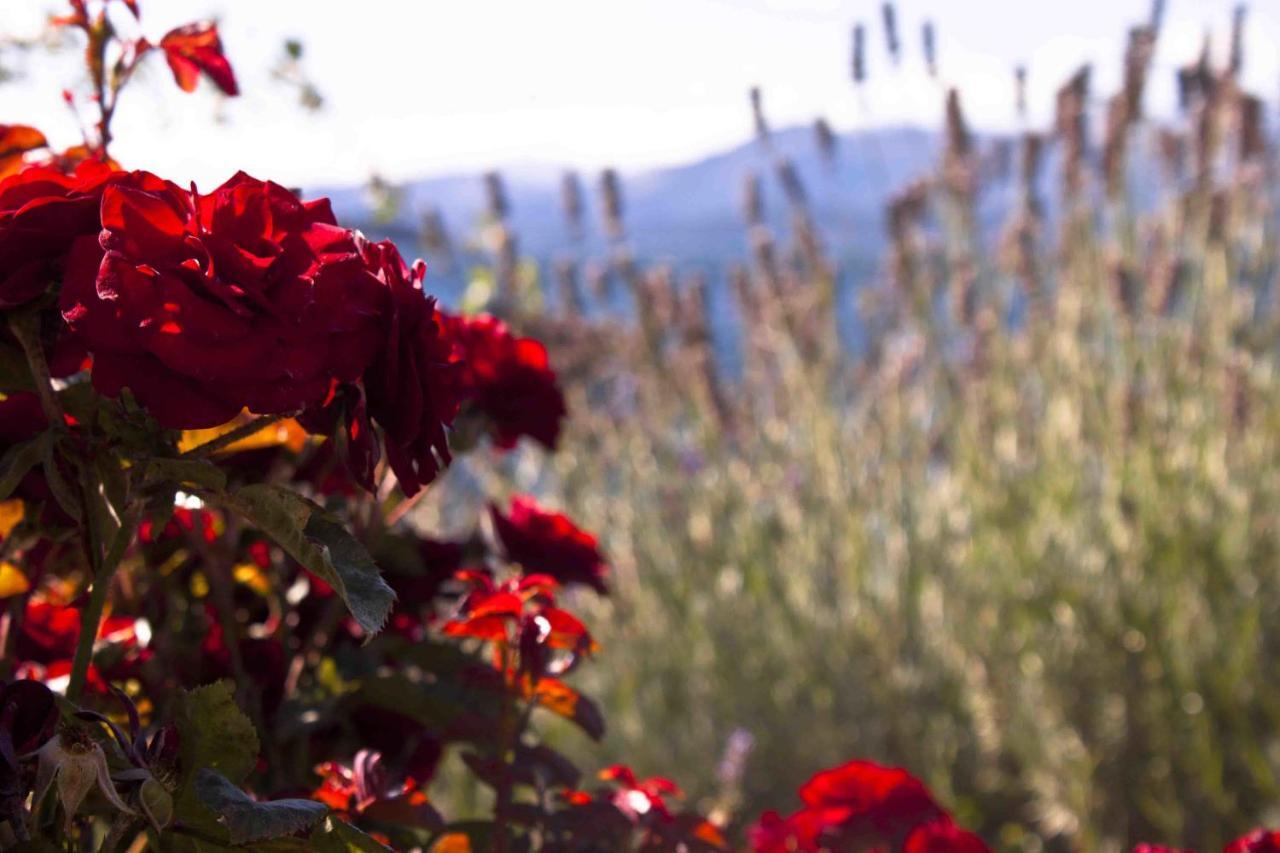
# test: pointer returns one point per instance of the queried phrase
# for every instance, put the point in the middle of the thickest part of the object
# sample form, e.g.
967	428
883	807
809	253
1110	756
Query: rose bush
220	630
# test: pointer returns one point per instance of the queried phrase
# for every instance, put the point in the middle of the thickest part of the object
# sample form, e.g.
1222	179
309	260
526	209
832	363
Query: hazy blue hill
690	214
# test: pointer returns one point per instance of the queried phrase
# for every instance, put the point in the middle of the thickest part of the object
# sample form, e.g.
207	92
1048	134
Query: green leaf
17	461
65	496
249	820
185	472
115	481
216	735
322	544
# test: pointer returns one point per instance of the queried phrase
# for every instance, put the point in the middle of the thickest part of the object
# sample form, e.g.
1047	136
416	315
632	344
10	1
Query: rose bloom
42	212
1258	841
412	385
508	380
864	804
548	543
204	305
943	836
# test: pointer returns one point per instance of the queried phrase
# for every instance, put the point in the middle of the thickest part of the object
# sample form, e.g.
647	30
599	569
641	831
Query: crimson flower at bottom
863	805
1258	841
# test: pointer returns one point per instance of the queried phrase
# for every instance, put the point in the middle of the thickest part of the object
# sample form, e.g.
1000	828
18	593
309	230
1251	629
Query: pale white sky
418	87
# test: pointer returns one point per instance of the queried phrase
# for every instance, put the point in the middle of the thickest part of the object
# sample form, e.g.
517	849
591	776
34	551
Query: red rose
204	305
411	386
507	380
548	543
865	805
798	833
943	836
885	802
1258	841
42	212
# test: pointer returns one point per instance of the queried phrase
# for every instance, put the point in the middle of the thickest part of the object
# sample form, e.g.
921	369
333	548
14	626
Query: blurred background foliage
1021	539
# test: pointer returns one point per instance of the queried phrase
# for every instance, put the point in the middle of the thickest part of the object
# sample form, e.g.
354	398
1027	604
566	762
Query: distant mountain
689	215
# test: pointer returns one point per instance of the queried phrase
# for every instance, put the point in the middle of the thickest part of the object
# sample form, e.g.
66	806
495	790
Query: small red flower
634	797
520	613
365	789
884	801
1258	841
863	804
548	543
507	380
196	48
943	836
46	644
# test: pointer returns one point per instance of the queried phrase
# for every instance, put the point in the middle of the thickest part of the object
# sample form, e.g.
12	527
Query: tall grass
1026	543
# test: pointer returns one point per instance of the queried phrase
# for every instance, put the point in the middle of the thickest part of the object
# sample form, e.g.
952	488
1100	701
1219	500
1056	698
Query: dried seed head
757	114
1172	147
930	49
890	18
1020	90
959	140
858	64
1114	144
1126	289
495	196
1071	127
1250	131
1157	15
1032	159
826	139
790	180
752	200
958	161
571	200
1236	61
1196	80
1137	60
568	288
611	201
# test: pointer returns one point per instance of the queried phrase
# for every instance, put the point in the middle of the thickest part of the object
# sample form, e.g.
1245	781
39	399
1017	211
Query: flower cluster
863	805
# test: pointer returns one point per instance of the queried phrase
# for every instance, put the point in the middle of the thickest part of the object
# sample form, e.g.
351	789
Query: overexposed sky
420	87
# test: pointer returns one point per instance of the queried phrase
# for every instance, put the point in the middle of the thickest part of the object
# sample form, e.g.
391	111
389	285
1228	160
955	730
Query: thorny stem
227	439
91	617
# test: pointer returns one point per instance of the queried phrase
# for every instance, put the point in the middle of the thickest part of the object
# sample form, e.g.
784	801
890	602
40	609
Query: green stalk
91	617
